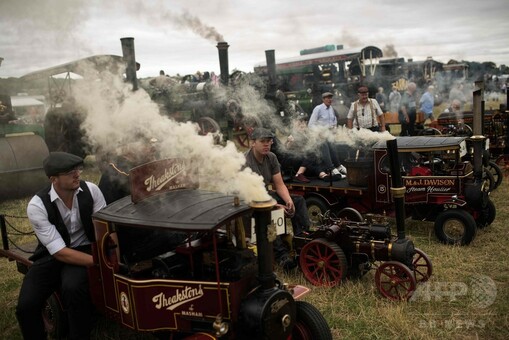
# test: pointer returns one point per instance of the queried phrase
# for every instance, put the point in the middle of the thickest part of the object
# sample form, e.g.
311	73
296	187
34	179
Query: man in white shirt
365	113
324	116
61	216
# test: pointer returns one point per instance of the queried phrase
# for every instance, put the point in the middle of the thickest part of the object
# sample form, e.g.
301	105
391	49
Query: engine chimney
130	60
271	71
478	139
397	188
222	48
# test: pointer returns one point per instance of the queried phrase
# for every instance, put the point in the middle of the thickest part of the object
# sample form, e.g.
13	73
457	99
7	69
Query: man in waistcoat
61	216
365	113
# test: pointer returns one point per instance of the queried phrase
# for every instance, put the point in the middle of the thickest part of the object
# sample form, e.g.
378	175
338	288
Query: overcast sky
180	36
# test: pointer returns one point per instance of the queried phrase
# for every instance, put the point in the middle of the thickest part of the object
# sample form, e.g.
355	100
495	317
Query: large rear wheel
310	323
323	263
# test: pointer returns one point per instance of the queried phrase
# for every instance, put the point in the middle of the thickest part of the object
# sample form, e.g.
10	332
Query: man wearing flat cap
365	113
61	216
265	163
323	114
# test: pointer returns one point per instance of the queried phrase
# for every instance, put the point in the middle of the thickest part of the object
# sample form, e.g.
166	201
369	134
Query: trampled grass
466	298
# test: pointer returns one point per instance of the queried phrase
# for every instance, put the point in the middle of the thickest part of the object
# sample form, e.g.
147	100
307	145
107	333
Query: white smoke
118	116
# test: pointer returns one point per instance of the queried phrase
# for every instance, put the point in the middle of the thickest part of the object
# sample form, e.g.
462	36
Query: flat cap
59	162
363	89
260	133
327	94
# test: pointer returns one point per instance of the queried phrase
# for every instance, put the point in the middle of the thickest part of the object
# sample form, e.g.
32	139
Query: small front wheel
317	207
310	323
455	226
395	281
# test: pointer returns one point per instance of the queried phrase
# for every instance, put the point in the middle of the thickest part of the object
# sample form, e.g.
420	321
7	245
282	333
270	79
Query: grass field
466	298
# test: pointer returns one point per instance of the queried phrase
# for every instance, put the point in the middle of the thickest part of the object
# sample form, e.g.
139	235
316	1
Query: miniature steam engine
342	248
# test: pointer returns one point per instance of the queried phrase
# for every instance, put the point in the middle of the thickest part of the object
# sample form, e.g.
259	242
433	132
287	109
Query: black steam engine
342	248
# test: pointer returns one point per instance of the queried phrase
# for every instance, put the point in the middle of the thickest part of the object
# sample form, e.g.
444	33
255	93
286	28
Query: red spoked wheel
422	267
395	281
323	263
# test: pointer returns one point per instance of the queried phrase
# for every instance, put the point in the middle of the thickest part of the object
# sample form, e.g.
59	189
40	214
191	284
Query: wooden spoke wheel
208	125
323	263
422	266
395	281
496	172
243	128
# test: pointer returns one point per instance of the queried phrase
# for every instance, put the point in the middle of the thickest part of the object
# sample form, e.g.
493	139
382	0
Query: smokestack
222	48
271	70
478	139
130	60
263	221
397	188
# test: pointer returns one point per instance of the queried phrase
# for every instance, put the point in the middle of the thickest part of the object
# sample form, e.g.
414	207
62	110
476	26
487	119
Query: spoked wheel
395	281
350	214
489	180
208	125
54	318
422	266
310	323
323	263
455	226
495	170
503	163
244	127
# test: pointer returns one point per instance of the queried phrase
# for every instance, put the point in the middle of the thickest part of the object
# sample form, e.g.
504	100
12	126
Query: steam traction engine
341	248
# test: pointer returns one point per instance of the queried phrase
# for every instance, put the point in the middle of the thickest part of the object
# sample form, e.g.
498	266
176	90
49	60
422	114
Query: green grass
458	307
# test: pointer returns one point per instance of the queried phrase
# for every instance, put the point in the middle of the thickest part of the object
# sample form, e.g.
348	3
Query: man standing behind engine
365	113
408	111
61	216
427	102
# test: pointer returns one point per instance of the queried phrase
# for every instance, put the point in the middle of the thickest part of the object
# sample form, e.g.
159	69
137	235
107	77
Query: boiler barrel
21	172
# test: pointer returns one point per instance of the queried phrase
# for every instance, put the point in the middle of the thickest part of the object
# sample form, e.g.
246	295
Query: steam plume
116	116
